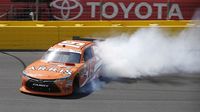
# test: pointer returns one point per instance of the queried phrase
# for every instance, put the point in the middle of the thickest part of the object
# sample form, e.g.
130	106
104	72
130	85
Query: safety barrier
40	35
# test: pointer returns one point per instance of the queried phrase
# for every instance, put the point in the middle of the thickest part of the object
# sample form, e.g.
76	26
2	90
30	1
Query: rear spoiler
86	39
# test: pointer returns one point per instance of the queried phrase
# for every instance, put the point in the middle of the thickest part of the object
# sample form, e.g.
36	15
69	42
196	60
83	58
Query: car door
88	68
89	60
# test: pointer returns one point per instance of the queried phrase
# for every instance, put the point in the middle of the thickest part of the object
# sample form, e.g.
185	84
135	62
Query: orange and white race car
63	70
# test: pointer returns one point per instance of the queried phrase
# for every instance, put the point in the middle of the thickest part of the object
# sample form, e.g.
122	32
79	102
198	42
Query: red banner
103	9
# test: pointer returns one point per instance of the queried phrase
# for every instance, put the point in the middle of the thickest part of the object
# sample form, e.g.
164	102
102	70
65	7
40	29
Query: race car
63	70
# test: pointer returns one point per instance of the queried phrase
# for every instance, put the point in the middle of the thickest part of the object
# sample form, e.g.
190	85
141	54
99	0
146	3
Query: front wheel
76	86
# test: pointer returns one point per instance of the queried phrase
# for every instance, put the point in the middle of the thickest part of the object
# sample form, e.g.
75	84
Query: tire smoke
151	52
94	85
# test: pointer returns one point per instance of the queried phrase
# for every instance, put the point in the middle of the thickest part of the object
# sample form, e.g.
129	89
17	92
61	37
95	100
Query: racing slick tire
76	86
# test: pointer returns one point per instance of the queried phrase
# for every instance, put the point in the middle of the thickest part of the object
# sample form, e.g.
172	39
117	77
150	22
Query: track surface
158	94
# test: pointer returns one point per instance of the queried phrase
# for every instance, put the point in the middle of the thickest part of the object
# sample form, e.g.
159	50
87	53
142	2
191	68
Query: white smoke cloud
151	52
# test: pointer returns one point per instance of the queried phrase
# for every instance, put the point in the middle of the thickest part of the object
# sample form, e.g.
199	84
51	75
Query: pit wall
40	35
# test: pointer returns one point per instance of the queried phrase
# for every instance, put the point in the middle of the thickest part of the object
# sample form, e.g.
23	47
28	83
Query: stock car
63	70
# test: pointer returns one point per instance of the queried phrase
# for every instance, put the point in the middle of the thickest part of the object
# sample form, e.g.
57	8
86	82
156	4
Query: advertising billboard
99	9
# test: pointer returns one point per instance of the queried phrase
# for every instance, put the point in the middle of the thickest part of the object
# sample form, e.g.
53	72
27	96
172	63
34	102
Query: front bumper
45	87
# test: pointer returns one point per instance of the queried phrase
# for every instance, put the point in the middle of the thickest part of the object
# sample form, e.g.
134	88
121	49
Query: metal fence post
37	10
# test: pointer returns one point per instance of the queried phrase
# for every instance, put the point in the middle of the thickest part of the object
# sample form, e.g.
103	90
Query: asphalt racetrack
173	93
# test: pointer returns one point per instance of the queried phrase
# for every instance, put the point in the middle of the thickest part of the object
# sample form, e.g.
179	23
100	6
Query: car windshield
62	57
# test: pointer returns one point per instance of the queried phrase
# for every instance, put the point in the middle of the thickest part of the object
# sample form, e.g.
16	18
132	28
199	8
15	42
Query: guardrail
40	35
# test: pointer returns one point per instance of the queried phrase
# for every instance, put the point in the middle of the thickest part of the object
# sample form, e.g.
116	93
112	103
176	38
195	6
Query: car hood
50	70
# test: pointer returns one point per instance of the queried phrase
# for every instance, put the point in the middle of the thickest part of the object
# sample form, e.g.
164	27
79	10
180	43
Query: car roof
71	45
